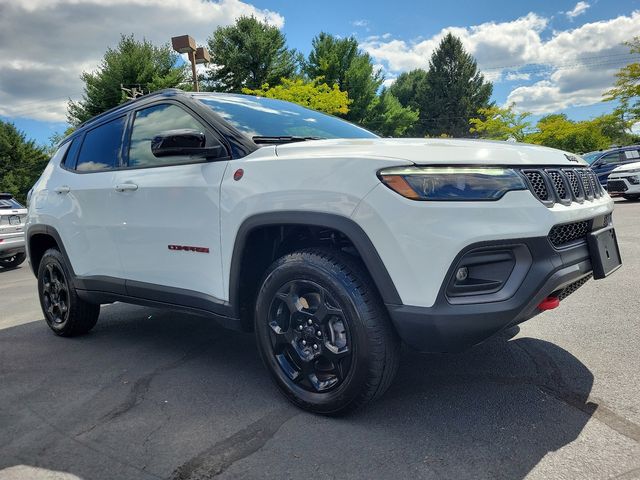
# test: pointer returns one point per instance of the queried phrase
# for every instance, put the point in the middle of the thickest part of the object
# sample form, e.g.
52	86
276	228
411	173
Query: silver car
12	218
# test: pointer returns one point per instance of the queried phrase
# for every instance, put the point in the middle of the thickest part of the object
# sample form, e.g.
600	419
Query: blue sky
562	54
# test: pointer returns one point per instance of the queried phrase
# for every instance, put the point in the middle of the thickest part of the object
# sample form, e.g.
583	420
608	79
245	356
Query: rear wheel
323	332
65	313
13	261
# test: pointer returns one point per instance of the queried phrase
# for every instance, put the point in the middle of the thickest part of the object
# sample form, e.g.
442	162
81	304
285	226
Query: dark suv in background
604	161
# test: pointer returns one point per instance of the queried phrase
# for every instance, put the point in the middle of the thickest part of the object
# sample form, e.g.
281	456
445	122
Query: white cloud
360	23
46	44
571	67
579	9
515	76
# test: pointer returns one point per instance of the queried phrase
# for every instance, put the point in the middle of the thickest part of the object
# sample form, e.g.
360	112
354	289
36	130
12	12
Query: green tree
131	62
627	86
455	90
409	88
500	123
615	127
389	118
339	61
249	54
312	94
558	131
21	161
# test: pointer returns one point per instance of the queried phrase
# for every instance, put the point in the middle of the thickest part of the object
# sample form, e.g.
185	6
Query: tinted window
610	158
256	116
70	158
101	147
151	121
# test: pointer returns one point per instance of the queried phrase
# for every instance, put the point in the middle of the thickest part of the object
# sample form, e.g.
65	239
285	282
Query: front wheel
323	332
13	261
64	311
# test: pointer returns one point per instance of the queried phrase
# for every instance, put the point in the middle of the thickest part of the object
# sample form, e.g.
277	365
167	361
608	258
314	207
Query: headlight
452	183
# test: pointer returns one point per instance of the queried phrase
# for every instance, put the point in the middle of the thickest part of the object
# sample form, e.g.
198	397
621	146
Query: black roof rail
164	92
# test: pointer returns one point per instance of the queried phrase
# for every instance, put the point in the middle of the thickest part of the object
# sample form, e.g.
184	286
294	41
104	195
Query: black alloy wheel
309	335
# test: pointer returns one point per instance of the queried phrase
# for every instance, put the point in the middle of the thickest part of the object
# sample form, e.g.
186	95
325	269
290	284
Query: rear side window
72	154
151	121
101	147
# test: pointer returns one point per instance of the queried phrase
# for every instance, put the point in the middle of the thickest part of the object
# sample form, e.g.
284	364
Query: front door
169	238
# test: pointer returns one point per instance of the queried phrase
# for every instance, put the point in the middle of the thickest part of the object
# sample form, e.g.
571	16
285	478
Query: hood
627	167
434	151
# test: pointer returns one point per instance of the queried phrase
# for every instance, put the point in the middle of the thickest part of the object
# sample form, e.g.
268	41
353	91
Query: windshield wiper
283	139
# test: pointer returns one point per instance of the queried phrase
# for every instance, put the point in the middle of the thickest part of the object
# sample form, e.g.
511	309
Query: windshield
267	117
591	157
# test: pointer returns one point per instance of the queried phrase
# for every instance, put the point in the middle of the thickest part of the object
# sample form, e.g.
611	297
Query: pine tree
455	91
249	54
131	62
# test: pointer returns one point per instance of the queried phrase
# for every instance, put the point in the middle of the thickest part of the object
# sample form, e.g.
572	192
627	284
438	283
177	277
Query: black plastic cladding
563	185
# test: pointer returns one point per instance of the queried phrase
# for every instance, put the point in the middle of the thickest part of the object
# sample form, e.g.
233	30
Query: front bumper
11	243
624	184
454	324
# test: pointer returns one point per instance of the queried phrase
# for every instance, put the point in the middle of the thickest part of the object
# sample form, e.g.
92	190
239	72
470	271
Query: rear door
169	210
80	193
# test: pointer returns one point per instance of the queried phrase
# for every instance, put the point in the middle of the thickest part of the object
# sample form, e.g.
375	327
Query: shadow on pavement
152	394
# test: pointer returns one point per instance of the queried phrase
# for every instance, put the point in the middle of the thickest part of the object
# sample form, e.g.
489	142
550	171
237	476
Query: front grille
564	186
569	289
617	186
562	235
538	185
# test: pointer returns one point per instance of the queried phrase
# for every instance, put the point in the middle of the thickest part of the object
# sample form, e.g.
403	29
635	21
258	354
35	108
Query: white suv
331	243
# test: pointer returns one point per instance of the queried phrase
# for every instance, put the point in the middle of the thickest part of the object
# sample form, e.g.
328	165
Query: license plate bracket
605	253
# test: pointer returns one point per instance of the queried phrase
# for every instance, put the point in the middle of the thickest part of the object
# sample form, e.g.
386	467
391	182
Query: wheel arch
39	239
344	225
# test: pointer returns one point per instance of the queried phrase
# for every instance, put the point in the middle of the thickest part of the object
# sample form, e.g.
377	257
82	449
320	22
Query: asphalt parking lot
155	394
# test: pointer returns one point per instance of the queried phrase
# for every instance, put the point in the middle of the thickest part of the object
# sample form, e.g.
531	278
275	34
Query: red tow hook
549	303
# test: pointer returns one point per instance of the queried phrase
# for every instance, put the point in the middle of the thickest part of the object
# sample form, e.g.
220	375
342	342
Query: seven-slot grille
563	185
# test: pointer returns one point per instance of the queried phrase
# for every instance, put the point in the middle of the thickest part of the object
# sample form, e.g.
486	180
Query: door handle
63	189
126	187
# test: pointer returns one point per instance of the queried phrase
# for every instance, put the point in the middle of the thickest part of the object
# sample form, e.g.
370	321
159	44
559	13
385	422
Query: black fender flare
345	225
42	229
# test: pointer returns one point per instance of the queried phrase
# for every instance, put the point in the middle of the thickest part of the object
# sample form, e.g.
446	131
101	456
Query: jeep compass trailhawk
331	243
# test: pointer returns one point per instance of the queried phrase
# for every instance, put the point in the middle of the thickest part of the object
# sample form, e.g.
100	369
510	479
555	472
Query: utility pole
186	44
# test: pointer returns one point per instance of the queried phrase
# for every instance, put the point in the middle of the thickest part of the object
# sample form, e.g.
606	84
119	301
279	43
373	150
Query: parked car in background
625	180
12	219
603	162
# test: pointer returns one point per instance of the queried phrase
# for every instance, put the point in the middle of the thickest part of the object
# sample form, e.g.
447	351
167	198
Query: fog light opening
462	274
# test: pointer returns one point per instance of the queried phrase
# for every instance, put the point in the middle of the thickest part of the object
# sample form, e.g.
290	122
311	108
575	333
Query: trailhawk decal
187	248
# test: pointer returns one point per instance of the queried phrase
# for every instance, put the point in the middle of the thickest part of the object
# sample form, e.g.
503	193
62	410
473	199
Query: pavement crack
219	457
557	388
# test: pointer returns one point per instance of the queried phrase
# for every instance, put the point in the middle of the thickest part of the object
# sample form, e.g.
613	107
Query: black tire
357	348
631	197
65	313
14	261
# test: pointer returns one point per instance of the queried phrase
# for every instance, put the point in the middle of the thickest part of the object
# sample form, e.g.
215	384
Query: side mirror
183	142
